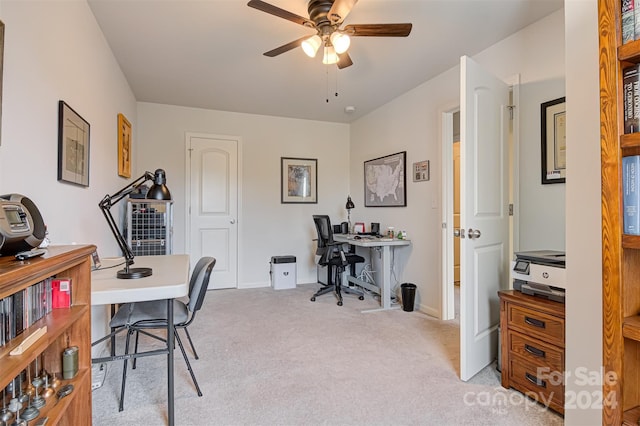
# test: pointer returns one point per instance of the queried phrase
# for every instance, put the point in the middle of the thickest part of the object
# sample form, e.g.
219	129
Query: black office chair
139	317
335	259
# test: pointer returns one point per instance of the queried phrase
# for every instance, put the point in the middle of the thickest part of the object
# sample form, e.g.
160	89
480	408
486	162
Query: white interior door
484	213
212	188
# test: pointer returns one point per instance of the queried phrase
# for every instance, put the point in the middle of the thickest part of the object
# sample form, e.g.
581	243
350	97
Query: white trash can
283	272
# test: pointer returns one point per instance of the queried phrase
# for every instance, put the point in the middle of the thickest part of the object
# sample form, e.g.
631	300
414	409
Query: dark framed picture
73	146
554	145
385	181
299	180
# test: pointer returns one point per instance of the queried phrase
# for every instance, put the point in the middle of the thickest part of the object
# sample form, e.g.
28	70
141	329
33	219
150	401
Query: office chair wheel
339	302
313	299
361	298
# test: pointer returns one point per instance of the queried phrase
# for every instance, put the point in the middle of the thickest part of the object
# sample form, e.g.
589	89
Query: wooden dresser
532	337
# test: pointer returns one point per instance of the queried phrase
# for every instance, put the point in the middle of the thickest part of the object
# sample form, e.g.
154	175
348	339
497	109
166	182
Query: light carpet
272	357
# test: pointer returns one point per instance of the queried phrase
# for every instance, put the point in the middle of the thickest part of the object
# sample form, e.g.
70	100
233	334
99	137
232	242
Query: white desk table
385	245
170	280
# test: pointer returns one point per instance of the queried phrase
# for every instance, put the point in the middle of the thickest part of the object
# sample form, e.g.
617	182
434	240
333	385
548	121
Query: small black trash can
408	296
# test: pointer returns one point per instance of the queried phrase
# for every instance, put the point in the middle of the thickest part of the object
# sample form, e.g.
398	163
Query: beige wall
411	122
56	51
266	227
584	241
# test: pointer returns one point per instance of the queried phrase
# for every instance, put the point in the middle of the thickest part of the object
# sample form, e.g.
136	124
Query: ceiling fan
326	16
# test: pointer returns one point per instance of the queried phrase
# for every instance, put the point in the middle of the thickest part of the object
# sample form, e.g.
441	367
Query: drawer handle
534	351
534	322
533	379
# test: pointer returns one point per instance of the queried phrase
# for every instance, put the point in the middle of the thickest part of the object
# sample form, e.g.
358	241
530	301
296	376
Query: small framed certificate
421	171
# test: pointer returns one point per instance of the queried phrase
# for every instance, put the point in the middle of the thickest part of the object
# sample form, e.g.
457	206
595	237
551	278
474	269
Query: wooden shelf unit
620	253
65	327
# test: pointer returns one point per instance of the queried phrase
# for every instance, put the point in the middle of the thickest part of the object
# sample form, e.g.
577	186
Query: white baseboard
430	311
254	285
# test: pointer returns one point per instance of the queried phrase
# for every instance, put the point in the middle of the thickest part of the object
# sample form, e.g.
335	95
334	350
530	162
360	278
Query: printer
540	273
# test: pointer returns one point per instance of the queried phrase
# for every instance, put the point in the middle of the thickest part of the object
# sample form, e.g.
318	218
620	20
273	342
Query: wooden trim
610	128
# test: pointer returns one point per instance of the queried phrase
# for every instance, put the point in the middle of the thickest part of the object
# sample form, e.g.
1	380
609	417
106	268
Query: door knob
459	233
474	233
232	221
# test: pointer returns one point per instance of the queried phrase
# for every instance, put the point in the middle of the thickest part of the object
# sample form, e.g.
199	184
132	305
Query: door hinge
511	108
444	225
510	209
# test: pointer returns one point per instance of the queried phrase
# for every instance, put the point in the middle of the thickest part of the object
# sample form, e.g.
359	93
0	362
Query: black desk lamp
349	206
158	191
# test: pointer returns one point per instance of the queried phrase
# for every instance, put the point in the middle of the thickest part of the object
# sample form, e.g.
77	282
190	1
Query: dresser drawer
535	352
548	391
538	324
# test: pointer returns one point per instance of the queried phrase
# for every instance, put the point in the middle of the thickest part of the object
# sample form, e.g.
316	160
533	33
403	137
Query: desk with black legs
385	245
170	280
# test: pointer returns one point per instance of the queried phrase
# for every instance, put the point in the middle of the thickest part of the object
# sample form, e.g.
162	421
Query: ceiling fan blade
344	60
339	10
378	30
281	13
285	48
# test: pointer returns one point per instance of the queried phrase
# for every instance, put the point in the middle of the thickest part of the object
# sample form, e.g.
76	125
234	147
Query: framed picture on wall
299	180
554	145
73	146
421	171
124	146
385	181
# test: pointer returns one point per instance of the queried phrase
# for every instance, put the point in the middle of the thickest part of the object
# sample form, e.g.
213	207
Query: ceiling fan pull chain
327	80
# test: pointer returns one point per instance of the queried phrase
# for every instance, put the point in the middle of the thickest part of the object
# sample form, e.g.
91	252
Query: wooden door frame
447	307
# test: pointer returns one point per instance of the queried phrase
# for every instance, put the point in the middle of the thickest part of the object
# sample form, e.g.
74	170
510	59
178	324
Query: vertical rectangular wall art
124	146
73	146
554	146
299	180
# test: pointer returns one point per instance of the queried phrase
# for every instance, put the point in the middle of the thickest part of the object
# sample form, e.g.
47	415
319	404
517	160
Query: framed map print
385	181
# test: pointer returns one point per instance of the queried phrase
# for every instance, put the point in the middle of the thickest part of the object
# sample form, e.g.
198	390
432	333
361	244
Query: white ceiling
208	53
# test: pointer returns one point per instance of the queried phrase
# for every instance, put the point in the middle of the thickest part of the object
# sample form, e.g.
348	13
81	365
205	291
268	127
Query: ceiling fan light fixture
340	42
311	45
330	56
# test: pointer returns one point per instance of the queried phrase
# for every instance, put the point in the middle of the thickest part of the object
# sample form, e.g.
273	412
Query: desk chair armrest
335	243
